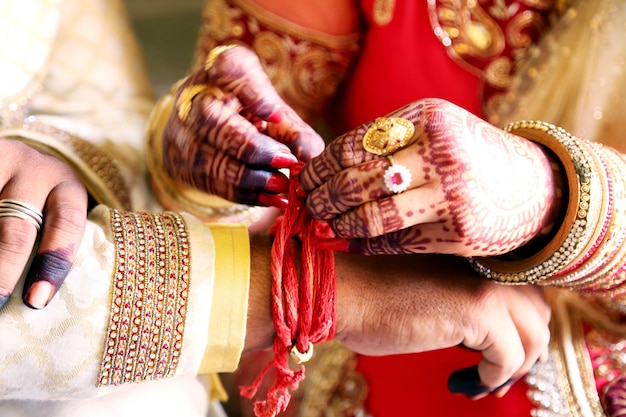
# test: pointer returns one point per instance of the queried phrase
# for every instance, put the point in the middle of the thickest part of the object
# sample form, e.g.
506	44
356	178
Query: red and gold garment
470	53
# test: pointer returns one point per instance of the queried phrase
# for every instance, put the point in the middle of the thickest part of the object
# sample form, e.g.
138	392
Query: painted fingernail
283	160
277	184
275	117
4	299
334	244
467	381
39	294
46	275
273	200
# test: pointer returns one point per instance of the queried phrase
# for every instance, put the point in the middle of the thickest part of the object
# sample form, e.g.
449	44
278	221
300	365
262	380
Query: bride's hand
458	185
230	132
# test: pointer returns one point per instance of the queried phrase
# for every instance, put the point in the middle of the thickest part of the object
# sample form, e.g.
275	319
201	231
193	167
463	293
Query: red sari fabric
402	62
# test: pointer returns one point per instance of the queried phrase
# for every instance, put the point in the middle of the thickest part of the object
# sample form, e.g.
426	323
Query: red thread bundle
303	307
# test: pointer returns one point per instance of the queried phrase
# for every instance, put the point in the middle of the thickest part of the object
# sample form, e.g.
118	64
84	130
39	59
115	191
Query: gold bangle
186	96
579	227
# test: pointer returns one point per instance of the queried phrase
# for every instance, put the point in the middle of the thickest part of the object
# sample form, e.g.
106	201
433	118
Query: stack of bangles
587	252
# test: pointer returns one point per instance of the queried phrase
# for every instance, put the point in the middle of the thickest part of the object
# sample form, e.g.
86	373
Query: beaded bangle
595	271
582	223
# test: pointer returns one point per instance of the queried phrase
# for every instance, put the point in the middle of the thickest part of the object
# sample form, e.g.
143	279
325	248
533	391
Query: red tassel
303	307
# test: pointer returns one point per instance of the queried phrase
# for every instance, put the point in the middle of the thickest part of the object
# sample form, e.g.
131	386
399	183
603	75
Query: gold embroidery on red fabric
489	38
305	66
149	301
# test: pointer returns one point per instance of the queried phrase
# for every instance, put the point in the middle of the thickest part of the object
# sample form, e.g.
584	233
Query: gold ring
15	208
214	54
185	98
397	177
388	135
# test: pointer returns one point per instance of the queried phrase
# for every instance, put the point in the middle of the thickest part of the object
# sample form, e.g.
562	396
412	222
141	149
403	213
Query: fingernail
39	294
273	200
4	299
334	244
277	183
467	381
283	160
275	117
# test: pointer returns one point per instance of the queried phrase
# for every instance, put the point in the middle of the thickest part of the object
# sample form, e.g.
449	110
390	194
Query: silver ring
397	177
14	208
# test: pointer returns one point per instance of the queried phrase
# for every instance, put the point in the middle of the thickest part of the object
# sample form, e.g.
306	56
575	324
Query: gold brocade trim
96	168
566	384
489	38
305	66
149	301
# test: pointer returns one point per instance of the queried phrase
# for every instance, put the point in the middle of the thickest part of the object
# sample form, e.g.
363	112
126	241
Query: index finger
375	139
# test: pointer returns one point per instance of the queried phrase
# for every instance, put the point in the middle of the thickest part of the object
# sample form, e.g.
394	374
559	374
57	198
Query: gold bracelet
581	225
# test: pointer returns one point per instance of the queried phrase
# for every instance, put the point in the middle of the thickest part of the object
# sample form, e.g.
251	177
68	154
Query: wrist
260	331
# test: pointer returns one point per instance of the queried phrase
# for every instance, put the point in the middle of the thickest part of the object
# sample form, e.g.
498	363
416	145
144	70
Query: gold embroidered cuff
149	301
586	210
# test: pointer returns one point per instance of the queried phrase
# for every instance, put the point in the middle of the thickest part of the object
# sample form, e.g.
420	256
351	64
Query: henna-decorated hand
46	184
475	189
230	132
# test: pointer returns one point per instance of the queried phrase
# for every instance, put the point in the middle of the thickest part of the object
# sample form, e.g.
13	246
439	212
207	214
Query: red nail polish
334	244
275	117
283	160
273	200
277	183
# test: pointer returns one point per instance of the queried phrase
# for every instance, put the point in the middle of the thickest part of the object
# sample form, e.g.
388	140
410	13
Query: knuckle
69	218
373	221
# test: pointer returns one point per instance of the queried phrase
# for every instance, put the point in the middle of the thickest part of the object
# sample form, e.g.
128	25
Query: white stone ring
397	177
